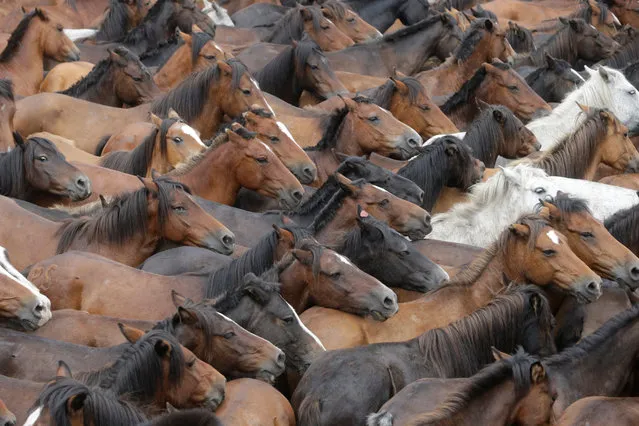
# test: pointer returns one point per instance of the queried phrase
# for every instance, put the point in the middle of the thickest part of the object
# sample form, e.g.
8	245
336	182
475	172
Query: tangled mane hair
138	372
137	161
291	25
382	95
333	124
116	22
567	204
190	97
6	89
445	18
256	260
516	368
472	36
257	289
125	217
624	226
464	95
15	40
100	407
560	45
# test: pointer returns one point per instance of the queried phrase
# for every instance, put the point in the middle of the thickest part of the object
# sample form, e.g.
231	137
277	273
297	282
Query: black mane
419	26
382	95
256	288
291	25
472	36
198	41
116	22
468	89
6	89
15	40
624	226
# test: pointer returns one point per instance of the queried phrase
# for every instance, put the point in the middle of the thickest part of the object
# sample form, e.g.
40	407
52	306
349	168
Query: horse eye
229	335
587	234
335	275
324	27
288	320
384	202
373	119
274	139
179	209
625	135
42	158
246	91
209	57
549	252
190	364
137	78
351	20
404	253
177	139
513	88
59	27
539	190
314	67
261	160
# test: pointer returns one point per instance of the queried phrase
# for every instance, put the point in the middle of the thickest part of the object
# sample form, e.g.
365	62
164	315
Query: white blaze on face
304	328
33	417
265	101
381	189
615	19
8	270
285	130
344	259
553	236
267	147
188	130
224	317
577	74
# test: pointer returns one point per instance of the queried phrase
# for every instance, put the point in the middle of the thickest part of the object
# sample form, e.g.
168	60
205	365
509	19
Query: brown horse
197	53
64	75
238	159
494	83
349	22
119	80
626	11
128	231
601	139
600	410
121	17
201	100
35	38
526	252
482	42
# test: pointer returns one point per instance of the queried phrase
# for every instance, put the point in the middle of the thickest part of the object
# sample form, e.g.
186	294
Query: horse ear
400	86
75	403
519	230
350	104
225	68
584	108
489	25
451	149
537	373
306	14
499	116
576	26
19	141
24	10
544	212
305	257
604	74
157	121
177	298
116	58
482	105
196	29
550	60
173	114
512	25
170	409
186	315
284	235
63	370
499	355
187	38
131	334
103	201
346	184
150	186
163	348
553	210
563	20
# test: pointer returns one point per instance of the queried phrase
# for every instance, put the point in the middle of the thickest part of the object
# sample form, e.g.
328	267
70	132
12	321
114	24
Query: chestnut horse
600	410
35	38
482	42
600	139
128	231
202	101
529	251
64	75
121	17
349	22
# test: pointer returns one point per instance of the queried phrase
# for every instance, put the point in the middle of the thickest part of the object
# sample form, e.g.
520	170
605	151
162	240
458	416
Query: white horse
514	191
217	13
606	88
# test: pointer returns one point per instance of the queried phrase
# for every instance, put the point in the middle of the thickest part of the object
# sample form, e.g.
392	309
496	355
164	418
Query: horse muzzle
222	242
588	290
627	275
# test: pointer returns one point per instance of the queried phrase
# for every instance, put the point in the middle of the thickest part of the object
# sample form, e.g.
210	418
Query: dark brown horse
349	22
7	111
554	80
121	17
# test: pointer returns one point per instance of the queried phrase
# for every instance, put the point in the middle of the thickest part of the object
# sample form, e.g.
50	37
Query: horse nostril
421	197
39	307
228	240
388	302
592	287
413	143
81	182
297	194
308	172
281	358
634	273
427	219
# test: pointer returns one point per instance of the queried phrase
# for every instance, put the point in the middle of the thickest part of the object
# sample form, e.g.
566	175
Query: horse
349	22
197	52
599	139
35	38
7	418
471	288
36	167
518	385
299	67
445	162
64	75
498	84
430	354
121	79
7	112
621	226
383	13
300	19
201	100
555	80
199	416
137	221
600	410
121	17
520	38
625	11
606	88
575	40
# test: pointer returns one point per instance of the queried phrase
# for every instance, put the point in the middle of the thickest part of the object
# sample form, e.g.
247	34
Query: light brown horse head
7	111
204	51
591	241
401	215
349	22
323	31
221	342
601	17
491	44
276	135
591	45
132	81
198	385
411	105
535	408
257	167
21	303
177	139
617	150
314	72
502	85
53	42
333	281
539	254
374	129
183	220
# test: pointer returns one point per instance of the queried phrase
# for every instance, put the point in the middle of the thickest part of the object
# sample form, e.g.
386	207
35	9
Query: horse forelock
198	41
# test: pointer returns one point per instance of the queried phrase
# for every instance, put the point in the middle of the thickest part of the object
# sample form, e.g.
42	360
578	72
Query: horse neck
175	68
103	90
28	62
404	48
295	287
584	167
555	48
490	281
494	406
464	114
326	162
210	177
210	117
332	233
477	142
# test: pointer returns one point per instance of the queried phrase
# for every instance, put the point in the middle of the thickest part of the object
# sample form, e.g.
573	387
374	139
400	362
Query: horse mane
308	244
470	273
13	175
198	41
256	260
337	8
332	125
628	53
353	240
565	203
261	292
100	407
6	89
126	216
15	40
189	98
520	38
468	89
192	416
559	45
417	27
472	36
559	67
485	134
291	25
221	136
592	342
137	161
141	32
318	199
382	95
585	12
115	23
623	226
516	368
138	370
571	156
463	347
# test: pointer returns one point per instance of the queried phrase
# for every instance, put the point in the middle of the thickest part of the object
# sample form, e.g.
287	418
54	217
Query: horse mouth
266	376
378	316
28	325
417	234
